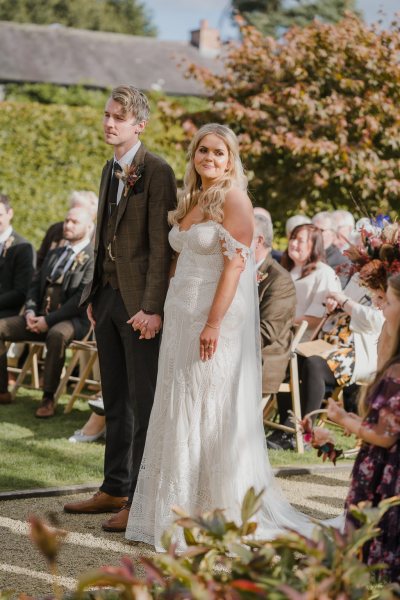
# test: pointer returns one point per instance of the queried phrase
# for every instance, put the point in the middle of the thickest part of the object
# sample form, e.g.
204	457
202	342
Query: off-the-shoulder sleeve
231	246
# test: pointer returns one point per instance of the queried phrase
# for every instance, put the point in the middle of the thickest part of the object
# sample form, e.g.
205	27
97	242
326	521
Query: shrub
48	150
317	114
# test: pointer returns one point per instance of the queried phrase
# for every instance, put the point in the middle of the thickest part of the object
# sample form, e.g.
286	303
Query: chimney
206	39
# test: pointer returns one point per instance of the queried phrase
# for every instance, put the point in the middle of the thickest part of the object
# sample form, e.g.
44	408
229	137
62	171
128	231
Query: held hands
148	325
208	342
36	324
89	312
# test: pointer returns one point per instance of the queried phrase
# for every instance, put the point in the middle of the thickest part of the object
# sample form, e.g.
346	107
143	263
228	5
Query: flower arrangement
130	175
378	255
320	438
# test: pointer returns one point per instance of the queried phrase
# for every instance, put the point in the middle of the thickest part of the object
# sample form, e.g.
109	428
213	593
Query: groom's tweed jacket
141	249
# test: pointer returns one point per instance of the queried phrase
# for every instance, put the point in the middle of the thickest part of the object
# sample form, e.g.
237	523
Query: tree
120	16
274	16
317	114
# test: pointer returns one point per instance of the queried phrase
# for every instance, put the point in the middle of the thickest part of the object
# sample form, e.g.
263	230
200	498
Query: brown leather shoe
46	409
99	503
118	522
5	398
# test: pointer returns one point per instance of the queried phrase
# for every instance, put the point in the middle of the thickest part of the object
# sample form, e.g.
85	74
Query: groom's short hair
132	101
5	201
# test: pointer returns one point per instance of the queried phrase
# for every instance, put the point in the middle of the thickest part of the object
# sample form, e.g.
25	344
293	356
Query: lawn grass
35	453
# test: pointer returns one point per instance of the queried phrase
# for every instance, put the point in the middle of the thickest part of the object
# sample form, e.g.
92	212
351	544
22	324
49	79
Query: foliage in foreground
224	562
317	114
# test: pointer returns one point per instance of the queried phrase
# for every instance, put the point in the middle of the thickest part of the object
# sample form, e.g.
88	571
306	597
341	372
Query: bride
205	443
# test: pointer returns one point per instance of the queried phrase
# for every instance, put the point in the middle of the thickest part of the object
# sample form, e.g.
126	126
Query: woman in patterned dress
376	472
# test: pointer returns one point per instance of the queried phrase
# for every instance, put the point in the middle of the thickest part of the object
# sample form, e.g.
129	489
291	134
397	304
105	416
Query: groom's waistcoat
109	268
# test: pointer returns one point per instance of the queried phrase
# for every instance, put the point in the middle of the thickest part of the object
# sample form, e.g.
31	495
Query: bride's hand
208	342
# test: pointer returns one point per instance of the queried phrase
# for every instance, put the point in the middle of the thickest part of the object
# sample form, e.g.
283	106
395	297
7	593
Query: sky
175	18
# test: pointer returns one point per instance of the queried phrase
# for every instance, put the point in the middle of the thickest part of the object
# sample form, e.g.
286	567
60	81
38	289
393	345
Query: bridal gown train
205	444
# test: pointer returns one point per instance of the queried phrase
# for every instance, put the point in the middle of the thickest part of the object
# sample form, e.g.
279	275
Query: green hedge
48	150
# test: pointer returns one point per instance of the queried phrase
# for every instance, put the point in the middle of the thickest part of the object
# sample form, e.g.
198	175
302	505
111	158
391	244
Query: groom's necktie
113	189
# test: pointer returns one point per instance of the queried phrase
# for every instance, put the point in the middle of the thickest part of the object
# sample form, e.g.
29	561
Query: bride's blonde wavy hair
211	201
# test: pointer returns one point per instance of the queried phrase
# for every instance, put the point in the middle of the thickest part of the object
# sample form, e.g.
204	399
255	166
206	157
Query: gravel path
319	493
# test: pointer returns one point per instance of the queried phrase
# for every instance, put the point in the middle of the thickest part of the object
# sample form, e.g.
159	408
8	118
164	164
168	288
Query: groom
125	300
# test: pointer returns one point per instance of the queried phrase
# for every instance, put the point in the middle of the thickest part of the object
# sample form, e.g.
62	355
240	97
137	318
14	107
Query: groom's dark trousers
128	378
133	259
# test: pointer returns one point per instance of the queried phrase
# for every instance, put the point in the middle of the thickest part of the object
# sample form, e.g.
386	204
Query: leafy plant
225	562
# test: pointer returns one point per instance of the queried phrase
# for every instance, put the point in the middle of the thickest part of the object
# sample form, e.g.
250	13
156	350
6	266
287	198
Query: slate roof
61	55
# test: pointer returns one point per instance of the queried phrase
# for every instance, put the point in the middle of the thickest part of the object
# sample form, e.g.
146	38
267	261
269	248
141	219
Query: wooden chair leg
27	366
35	370
68	372
295	389
82	380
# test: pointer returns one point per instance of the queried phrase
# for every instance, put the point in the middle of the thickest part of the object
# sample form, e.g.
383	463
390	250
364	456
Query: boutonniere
80	259
261	276
130	175
7	244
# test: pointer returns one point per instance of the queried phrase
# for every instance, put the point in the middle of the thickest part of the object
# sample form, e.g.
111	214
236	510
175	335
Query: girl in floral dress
376	472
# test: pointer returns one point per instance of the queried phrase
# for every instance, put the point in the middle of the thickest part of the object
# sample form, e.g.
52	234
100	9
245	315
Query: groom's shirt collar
126	159
6	234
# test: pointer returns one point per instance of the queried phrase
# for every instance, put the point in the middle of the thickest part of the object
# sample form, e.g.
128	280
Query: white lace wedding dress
205	443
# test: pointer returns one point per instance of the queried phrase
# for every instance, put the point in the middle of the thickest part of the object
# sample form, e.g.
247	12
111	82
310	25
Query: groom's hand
148	325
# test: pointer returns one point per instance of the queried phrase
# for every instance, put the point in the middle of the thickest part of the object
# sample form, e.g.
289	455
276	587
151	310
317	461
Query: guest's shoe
47	409
118	522
5	398
281	441
99	503
97	405
80	437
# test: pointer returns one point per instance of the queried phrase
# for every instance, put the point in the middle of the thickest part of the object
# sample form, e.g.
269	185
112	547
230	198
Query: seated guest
353	329
16	263
345	228
277	298
294	221
54	235
313	278
260	211
52	311
334	258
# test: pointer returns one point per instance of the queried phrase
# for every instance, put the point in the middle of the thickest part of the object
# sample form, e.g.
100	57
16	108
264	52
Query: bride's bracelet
212	326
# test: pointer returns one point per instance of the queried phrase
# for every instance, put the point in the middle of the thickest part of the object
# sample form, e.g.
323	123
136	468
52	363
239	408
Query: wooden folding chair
294	389
80	349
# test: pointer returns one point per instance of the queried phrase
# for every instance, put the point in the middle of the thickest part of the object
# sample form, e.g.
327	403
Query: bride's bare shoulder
238	215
